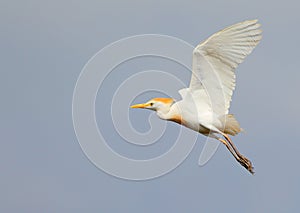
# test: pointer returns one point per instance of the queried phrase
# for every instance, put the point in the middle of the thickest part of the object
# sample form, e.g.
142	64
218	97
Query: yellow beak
140	106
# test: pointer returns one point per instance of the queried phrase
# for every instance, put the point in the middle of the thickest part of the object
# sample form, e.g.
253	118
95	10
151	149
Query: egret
204	106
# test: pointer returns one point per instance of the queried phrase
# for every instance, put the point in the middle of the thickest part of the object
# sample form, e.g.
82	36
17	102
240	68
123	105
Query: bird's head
156	104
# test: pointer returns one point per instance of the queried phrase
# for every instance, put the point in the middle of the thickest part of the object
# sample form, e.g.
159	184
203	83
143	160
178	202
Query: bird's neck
166	113
163	114
172	115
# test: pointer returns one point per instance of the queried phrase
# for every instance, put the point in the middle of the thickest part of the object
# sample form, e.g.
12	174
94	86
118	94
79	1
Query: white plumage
215	60
205	103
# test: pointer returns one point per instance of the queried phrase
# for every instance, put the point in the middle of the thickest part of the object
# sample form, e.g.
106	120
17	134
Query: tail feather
231	125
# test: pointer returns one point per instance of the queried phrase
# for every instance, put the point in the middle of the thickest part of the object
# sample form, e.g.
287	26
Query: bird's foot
246	163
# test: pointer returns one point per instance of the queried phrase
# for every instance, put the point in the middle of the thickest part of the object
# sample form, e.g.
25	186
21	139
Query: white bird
205	103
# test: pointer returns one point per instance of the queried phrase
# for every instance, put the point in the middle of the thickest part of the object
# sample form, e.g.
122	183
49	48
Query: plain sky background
45	44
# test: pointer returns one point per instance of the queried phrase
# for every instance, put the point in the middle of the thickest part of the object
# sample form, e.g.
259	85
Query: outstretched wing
215	60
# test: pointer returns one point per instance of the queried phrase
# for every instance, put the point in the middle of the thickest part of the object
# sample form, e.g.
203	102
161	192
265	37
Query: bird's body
205	103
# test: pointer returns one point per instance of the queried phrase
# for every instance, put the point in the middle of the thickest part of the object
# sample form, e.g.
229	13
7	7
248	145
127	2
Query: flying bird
205	103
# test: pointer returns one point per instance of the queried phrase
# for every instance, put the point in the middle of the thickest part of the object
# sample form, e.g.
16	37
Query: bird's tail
231	125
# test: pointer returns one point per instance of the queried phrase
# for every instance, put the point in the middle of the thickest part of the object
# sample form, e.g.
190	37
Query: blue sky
44	46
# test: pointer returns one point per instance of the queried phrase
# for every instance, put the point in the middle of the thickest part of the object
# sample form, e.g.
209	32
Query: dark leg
229	148
238	156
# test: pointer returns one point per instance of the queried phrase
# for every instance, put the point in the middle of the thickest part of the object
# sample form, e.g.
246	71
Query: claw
246	163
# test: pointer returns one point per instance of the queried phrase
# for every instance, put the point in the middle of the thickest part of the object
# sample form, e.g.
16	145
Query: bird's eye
151	104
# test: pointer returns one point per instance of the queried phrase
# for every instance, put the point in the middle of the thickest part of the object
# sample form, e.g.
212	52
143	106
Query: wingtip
252	20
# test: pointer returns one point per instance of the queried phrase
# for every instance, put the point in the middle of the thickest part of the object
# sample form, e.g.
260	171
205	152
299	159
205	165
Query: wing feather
215	61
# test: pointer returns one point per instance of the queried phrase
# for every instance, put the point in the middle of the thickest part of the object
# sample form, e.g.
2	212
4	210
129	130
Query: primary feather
215	60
